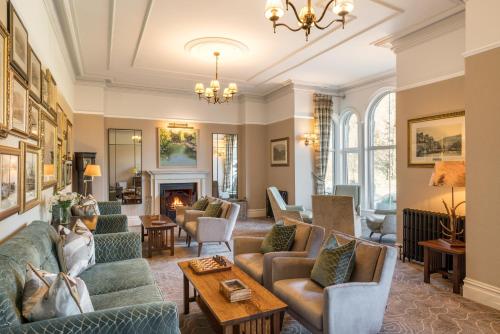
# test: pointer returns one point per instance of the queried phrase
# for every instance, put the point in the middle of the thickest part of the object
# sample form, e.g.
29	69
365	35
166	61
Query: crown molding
438	25
482	49
431	81
368	81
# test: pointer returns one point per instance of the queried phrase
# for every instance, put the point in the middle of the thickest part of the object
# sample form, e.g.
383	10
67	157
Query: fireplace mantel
153	179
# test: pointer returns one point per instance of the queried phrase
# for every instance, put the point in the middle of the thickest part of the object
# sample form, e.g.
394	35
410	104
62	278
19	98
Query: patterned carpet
414	307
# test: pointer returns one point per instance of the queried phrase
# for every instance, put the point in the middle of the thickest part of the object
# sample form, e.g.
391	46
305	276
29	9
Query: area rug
413	307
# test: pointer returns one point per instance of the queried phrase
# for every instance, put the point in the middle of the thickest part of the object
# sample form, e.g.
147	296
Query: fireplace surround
174	194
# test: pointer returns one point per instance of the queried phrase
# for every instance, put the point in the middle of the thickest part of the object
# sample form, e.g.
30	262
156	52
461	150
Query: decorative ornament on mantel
212	94
307	17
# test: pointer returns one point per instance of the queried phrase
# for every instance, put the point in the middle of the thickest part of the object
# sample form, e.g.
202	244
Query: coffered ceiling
140	43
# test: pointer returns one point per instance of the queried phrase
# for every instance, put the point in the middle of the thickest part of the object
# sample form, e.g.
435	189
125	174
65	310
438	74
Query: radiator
421	225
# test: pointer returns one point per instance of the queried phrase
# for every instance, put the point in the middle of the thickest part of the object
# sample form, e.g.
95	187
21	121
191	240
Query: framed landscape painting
280	152
48	141
436	138
35	76
4	80
33	120
177	147
19	44
30	177
18	105
10	181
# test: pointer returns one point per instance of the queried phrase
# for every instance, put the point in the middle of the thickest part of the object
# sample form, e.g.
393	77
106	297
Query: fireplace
174	194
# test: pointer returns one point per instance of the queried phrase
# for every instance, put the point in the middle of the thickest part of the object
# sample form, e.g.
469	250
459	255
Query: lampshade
448	173
343	7
274	8
233	88
48	170
199	88
209	92
92	170
215	85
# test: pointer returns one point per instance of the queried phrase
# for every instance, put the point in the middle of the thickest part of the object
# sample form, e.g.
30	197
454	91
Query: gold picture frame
69	140
4	82
45	88
60	165
436	138
31	187
34	76
48	143
34	112
19	47
10	165
52	91
18	105
280	152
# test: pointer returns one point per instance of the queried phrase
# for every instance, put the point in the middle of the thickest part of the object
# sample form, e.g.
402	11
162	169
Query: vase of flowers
62	202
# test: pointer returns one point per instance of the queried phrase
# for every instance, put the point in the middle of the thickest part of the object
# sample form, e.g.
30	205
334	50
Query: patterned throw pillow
76	249
279	239
200	204
48	295
213	210
86	207
331	242
334	265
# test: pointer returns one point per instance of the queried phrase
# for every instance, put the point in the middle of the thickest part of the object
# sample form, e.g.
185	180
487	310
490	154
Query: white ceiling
141	42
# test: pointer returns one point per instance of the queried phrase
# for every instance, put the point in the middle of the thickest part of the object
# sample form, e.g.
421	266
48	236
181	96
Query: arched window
350	148
381	151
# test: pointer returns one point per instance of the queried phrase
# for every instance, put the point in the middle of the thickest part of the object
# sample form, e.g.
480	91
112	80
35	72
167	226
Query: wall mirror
125	165
225	165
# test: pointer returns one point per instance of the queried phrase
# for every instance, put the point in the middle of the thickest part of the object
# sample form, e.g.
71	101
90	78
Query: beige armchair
185	214
282	210
209	229
382	222
247	255
354	307
336	213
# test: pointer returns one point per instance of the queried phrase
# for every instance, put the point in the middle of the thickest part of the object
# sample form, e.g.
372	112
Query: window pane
352	172
351	128
329	174
384	121
384	179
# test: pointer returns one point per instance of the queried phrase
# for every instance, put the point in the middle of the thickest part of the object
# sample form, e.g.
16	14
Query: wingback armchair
382	222
351	190
210	229
247	255
357	306
282	210
336	213
110	220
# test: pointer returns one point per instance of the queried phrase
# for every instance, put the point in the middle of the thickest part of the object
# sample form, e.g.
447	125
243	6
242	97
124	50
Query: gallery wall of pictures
31	111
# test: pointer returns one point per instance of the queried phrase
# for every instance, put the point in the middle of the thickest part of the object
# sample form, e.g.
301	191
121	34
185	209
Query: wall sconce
310	138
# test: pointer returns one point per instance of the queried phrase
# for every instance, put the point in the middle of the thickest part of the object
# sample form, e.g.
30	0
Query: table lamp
450	174
91	171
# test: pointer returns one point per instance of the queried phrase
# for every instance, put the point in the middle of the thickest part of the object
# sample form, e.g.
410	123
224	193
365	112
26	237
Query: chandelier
307	17
212	94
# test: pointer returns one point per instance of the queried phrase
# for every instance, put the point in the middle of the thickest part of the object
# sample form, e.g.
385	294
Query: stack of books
235	290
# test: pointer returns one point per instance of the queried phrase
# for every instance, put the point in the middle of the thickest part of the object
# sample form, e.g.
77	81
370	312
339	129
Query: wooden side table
158	238
433	261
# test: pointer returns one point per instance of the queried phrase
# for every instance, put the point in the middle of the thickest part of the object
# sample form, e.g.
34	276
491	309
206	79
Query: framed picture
35	76
48	141
4	14
45	88
19	43
60	166
18	105
436	138
33	120
10	159
4	81
61	121
67	174
177	147
30	176
69	141
52	90
280	152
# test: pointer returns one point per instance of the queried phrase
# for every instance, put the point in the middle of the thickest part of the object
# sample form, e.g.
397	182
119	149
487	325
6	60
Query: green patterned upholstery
334	265
110	208
117	247
136	308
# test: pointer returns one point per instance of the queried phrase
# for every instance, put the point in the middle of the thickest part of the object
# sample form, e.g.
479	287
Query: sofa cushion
200	204
304	297
213	210
76	249
252	264
225	206
139	295
365	262
301	235
279	239
334	265
115	276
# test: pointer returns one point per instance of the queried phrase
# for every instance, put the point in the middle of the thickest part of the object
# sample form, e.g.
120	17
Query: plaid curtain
323	112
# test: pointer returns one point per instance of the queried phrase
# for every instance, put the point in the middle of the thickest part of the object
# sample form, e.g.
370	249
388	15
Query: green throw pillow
334	265
279	239
213	210
200	204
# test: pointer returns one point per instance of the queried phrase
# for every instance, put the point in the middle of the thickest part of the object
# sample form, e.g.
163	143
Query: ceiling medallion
212	94
307	17
206	46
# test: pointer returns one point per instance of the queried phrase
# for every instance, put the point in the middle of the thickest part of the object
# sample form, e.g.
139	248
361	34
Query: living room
210	136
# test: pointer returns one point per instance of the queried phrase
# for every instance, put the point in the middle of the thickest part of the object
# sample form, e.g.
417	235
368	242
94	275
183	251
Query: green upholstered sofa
123	292
111	219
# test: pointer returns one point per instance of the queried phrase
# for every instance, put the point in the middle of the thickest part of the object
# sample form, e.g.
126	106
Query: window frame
370	147
344	151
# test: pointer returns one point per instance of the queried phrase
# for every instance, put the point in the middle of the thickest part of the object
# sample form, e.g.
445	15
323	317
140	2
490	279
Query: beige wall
482	87
412	183
254	166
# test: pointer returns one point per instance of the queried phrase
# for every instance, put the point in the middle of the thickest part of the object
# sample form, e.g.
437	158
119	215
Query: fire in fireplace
175	194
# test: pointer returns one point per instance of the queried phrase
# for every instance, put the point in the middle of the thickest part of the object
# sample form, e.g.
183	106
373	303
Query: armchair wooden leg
189	241
228	246
370	234
179	232
200	245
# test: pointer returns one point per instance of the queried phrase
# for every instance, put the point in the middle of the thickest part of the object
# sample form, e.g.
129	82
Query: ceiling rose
206	46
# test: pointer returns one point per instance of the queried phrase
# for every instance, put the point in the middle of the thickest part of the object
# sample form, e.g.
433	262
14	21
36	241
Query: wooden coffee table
260	314
158	239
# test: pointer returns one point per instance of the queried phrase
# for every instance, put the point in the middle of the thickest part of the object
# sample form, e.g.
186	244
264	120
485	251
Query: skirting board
256	213
482	293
